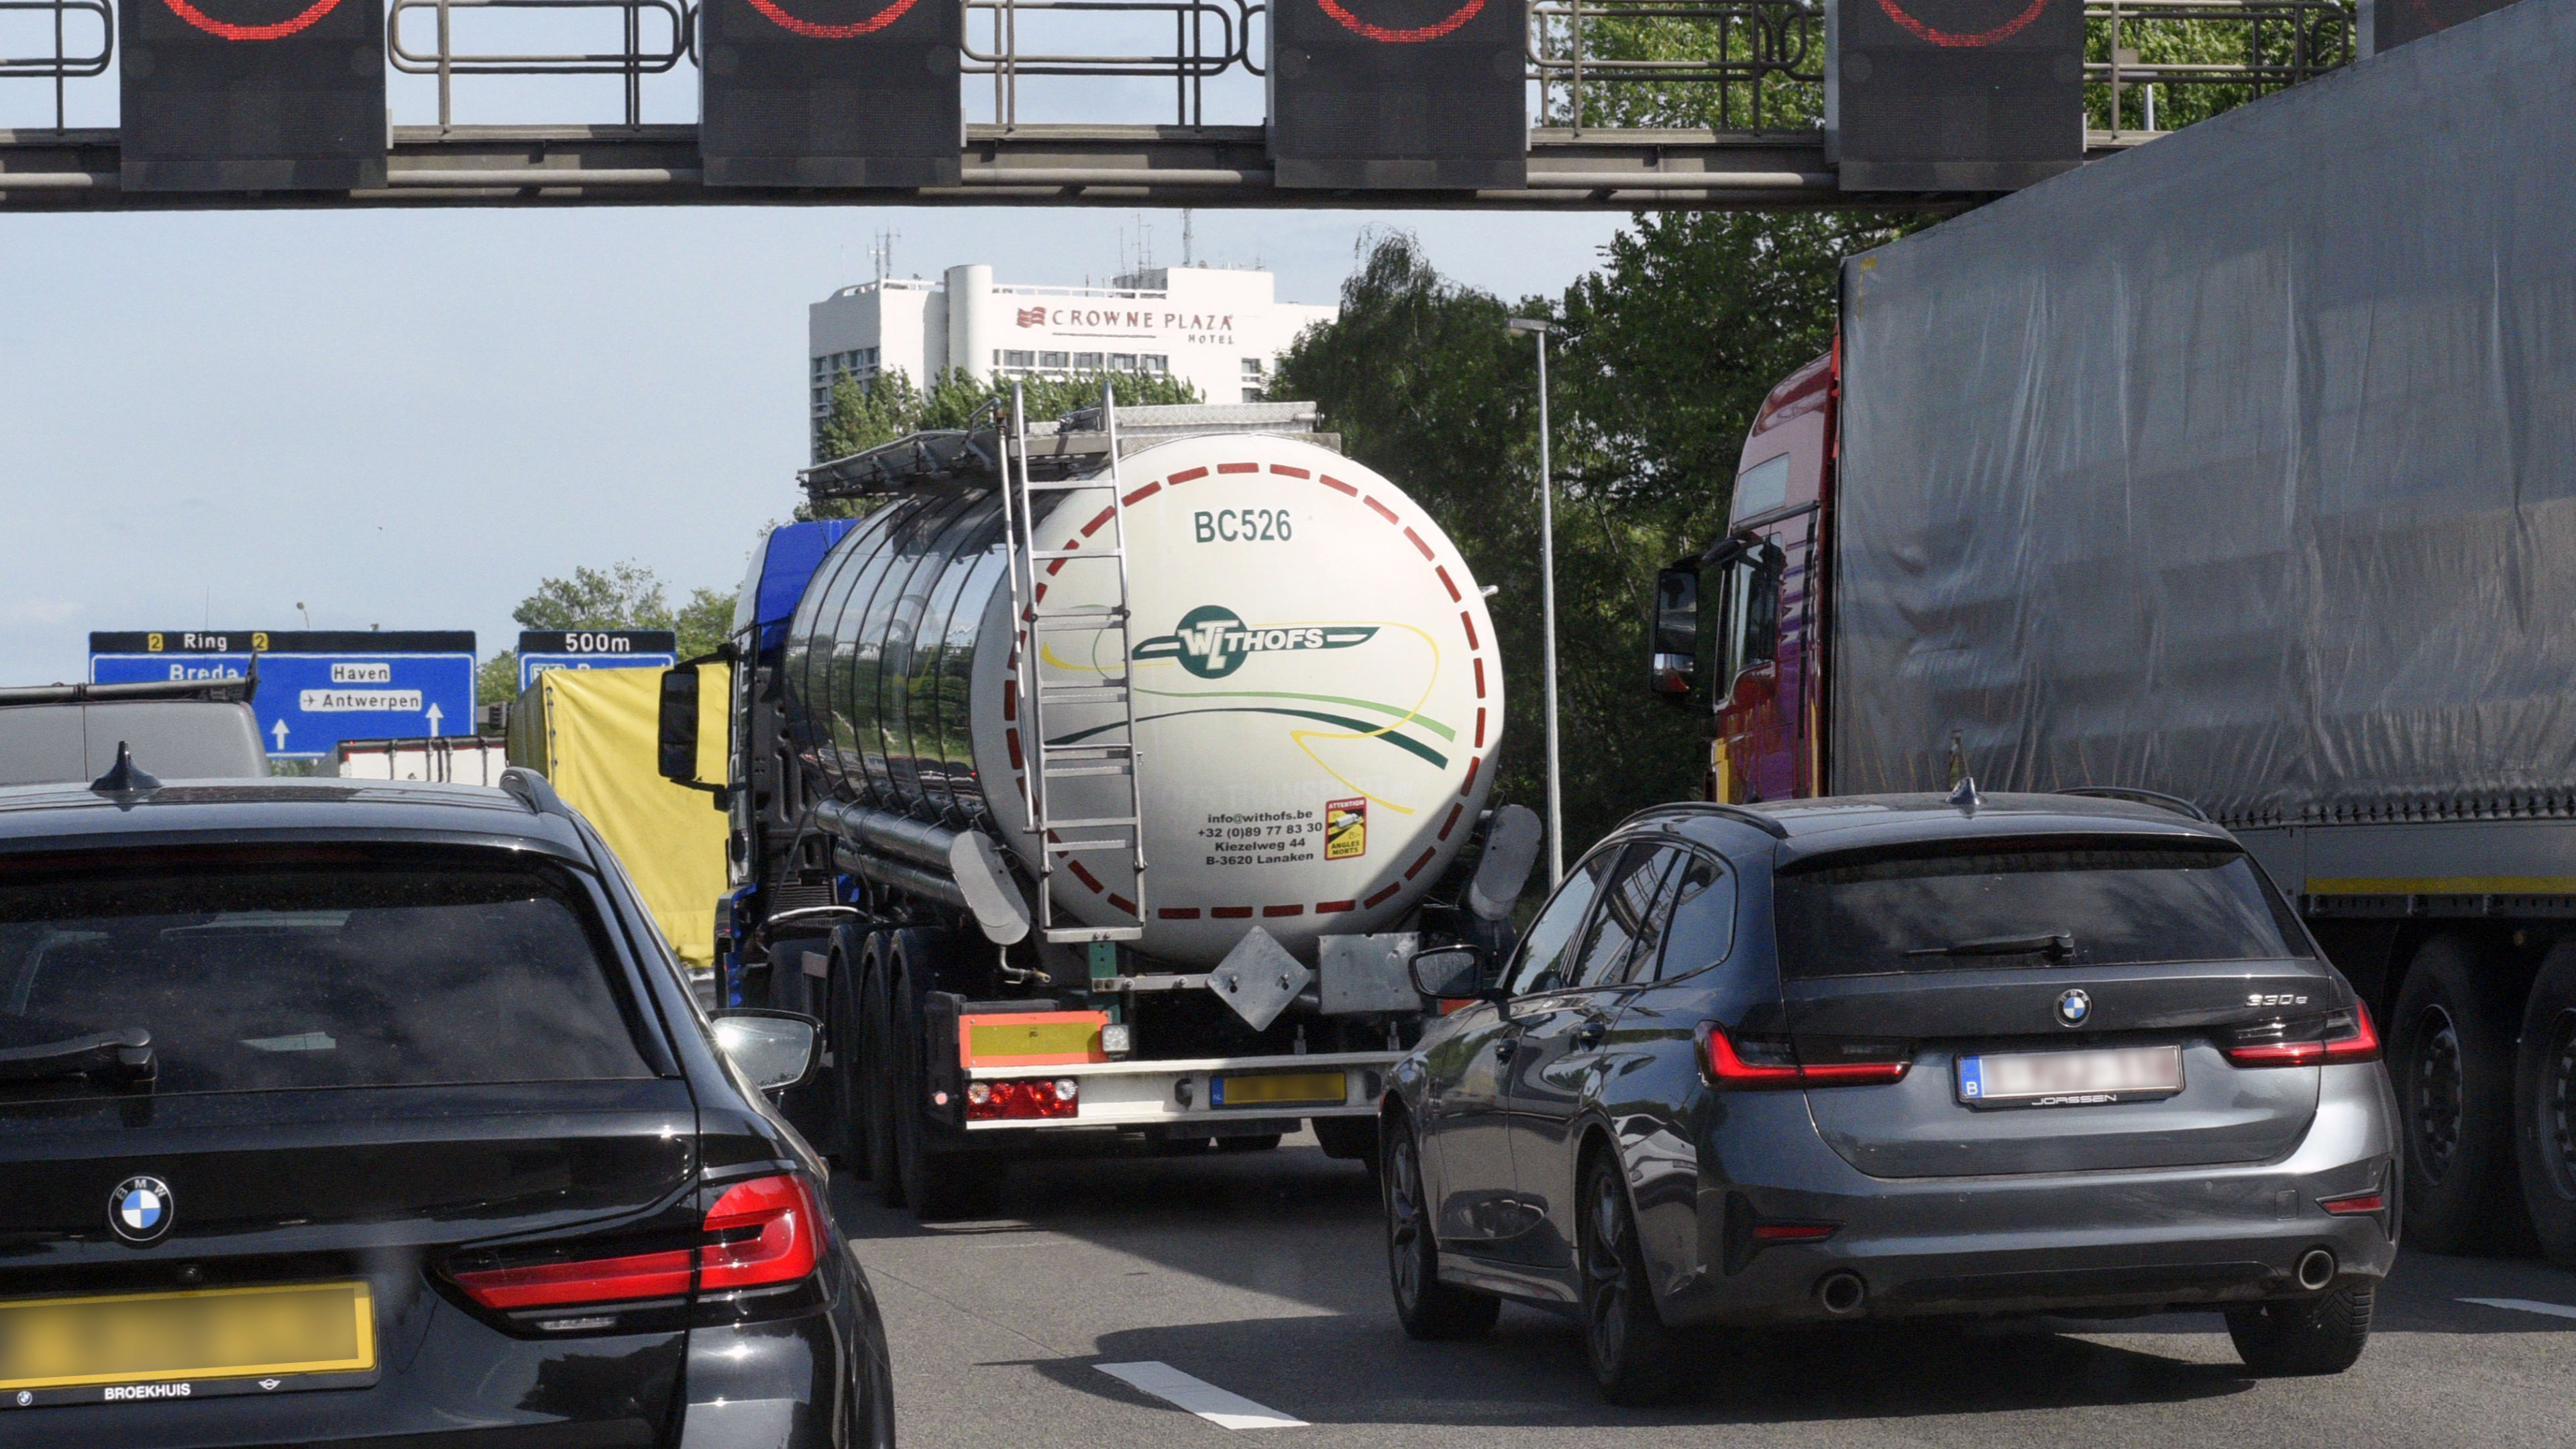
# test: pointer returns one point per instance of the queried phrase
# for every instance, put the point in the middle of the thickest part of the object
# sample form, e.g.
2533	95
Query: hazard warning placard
1345	829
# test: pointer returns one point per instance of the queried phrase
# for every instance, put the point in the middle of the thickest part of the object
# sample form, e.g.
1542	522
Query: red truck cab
1736	636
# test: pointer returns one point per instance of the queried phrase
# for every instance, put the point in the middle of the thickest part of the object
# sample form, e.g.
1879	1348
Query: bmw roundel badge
2073	1007
140	1209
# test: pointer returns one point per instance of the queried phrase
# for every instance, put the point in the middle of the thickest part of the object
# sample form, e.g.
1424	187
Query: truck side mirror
677	726
1673	663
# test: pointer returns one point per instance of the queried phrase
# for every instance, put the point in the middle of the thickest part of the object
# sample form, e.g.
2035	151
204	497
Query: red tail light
599	1280
2354	1205
767	1230
1024	1097
2346	1036
1771	1065
1794	1232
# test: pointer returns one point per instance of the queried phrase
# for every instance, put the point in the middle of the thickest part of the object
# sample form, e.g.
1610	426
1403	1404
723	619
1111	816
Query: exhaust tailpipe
1842	1293
2316	1269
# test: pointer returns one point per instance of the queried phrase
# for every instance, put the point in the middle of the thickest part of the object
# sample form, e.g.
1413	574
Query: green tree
1761	68
1663	356
625	595
703	622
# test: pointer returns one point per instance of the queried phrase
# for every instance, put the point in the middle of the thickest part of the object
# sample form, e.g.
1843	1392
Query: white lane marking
2527	1305
1218	1407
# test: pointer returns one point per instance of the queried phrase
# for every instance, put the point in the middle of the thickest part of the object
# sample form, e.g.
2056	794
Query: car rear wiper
2056	946
122	1057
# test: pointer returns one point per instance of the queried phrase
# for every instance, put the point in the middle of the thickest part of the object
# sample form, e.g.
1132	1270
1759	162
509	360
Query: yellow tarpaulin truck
592	733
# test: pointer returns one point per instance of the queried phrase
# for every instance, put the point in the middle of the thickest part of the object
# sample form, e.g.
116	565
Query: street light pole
1547	606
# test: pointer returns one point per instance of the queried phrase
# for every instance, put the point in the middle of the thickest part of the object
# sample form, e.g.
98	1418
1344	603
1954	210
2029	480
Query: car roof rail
2158	798
1737	813
533	791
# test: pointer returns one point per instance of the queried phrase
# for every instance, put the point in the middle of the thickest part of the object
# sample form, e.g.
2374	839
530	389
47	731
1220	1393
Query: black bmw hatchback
338	1113
1896	1057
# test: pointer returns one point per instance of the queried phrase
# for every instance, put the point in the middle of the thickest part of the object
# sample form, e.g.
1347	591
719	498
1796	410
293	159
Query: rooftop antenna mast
1186	238
883	252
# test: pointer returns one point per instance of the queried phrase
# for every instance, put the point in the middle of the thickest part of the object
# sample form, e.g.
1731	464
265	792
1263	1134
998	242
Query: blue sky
408	418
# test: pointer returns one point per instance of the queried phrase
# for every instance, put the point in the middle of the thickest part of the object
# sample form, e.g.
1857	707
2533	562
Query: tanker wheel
938	1184
847	1131
2544	1104
881	1077
2453	1070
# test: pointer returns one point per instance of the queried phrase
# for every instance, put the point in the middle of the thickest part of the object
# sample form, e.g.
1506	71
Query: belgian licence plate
203	1344
2070	1079
1280	1089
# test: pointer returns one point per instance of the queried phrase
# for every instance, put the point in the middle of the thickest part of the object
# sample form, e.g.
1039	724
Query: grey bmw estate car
1896	1056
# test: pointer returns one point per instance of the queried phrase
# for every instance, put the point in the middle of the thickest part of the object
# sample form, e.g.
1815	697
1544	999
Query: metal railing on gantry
1126	102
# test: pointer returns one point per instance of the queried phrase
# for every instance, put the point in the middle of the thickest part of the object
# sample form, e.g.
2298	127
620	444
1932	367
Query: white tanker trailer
1105	778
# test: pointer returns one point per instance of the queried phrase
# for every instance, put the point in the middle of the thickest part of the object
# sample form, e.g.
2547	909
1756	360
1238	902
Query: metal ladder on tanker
1047	762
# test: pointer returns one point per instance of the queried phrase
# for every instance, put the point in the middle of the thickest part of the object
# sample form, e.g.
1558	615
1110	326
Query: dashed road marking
1217	1406
2527	1305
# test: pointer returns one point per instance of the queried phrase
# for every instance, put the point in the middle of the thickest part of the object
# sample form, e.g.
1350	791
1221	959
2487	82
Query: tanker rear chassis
884	977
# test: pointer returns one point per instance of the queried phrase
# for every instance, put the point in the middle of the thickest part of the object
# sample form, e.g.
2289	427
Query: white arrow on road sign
434	718
279	730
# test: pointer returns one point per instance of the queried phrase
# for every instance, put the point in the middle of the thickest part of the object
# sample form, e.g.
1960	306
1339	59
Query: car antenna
125	777
1963	786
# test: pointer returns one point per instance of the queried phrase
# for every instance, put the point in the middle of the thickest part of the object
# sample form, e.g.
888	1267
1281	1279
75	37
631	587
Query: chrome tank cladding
1317	694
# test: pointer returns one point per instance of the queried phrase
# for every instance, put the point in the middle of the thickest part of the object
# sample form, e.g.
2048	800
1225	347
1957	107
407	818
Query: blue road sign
544	649
315	688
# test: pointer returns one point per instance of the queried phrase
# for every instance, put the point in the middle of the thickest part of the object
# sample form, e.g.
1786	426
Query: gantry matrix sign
1399	94
2387	24
252	95
800	93
544	649
1953	95
315	688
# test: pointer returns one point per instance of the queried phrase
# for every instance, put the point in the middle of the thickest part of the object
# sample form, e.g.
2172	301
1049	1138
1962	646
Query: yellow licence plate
260	1335
1271	1089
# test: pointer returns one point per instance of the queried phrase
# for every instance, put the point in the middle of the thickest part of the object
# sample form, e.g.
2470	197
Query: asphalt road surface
1262	1274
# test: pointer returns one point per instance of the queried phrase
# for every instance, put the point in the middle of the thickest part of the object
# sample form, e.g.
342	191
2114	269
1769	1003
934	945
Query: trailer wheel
881	1082
2544	1097
938	1185
847	1130
2453	1070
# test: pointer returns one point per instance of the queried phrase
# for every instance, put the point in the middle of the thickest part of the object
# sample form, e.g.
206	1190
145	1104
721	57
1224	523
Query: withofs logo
1212	642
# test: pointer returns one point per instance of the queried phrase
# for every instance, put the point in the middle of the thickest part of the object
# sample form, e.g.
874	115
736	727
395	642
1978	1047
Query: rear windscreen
2039	906
311	972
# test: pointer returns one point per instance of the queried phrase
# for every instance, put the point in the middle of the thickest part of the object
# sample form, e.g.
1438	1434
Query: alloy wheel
1404	1226
1605	1270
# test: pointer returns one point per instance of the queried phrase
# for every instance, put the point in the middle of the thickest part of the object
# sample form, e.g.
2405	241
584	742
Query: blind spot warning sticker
1345	829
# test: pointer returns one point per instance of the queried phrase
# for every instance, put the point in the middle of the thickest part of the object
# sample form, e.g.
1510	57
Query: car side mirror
774	1050
1672	666
1452	972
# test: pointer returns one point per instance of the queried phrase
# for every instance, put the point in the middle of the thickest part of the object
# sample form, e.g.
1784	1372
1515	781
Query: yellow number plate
217	1333
1270	1089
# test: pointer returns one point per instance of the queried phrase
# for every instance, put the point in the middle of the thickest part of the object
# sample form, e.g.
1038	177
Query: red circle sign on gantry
226	30
815	30
1414	35
2008	26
